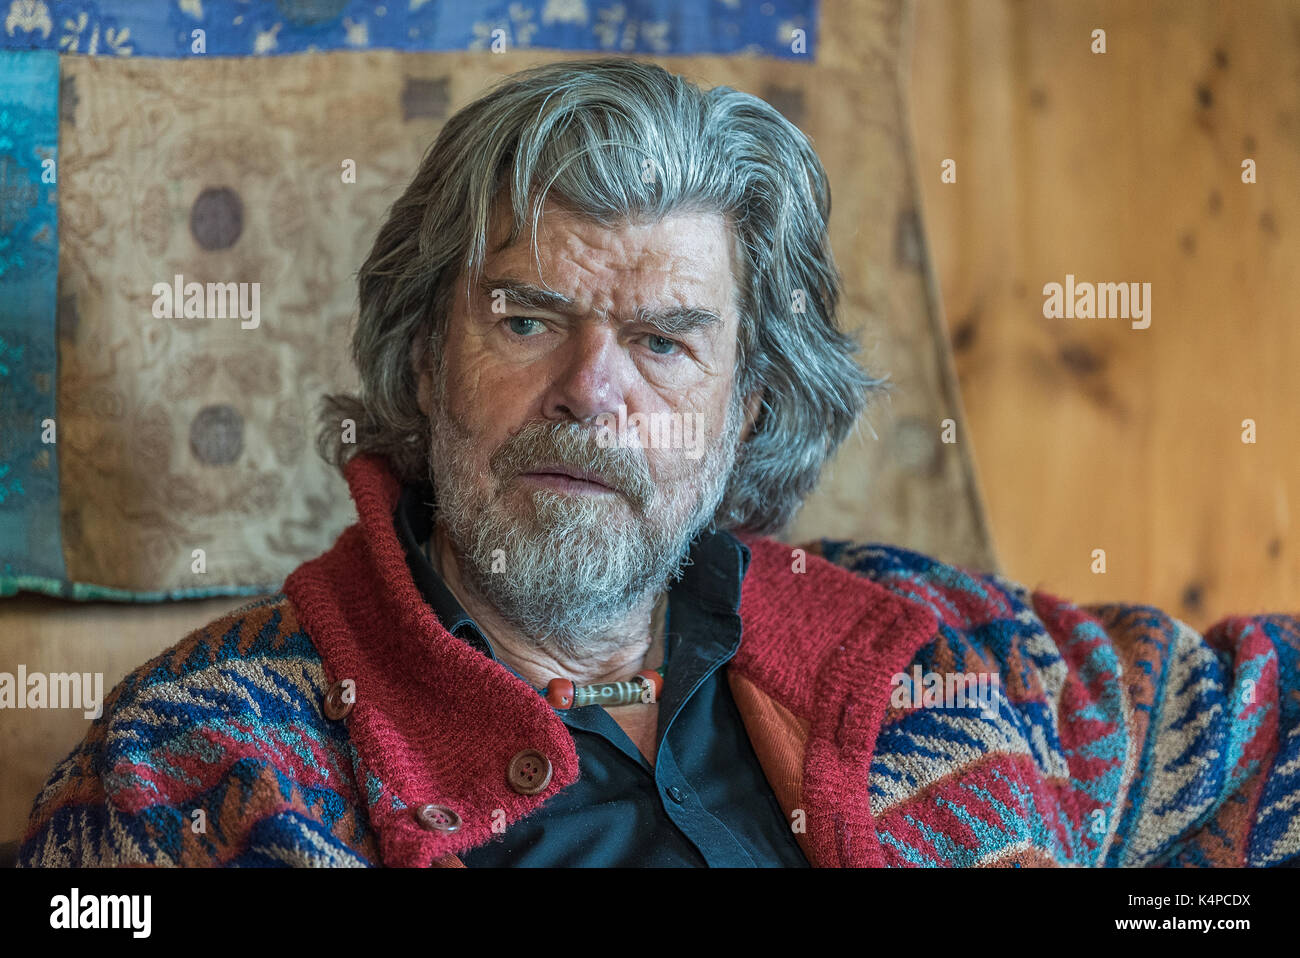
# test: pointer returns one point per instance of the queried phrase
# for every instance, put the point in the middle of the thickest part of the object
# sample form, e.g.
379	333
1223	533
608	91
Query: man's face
607	325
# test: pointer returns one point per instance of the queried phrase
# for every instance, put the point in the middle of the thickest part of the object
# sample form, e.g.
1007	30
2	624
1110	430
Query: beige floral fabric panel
197	434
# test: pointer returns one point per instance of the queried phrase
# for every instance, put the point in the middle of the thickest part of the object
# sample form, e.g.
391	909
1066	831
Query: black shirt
706	801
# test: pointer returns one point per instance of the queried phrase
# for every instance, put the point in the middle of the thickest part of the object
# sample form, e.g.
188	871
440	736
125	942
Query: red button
529	772
438	818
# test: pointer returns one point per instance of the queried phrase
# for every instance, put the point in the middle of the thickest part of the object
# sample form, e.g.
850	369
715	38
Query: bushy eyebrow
525	294
674	320
677	320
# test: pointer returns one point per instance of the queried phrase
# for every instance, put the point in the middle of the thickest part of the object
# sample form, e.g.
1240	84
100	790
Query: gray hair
585	133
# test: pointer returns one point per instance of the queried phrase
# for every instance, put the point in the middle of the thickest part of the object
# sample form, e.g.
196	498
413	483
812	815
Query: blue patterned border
31	541
165	28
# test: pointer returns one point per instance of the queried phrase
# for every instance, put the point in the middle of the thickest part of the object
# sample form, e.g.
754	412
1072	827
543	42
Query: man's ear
753	406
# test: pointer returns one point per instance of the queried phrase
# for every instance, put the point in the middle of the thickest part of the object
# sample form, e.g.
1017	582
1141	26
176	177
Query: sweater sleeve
1121	736
213	754
79	818
1210	728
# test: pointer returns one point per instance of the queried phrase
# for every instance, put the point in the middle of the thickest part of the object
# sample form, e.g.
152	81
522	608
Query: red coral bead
559	692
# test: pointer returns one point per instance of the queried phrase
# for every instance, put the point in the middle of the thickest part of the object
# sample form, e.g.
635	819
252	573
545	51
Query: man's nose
591	377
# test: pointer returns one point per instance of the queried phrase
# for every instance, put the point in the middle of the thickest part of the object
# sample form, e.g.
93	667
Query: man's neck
632	644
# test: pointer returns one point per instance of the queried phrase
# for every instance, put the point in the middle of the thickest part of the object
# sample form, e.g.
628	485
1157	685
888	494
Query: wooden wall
1124	166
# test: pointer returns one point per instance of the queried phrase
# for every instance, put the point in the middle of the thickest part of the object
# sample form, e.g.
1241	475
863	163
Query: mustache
576	446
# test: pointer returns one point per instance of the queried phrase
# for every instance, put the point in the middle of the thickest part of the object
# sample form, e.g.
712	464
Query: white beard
570	568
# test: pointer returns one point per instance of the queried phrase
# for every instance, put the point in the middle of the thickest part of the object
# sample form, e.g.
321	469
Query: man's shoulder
968	599
251	661
829	580
266	629
947	588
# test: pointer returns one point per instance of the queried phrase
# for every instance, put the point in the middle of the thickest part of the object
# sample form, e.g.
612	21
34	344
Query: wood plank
1124	166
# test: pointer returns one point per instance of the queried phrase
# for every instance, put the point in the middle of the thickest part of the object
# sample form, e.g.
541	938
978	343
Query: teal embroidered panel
30	540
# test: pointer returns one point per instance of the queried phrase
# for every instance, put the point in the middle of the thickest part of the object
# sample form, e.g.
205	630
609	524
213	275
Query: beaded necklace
645	686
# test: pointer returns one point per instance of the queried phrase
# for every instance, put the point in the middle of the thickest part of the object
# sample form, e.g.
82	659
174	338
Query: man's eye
524	325
661	346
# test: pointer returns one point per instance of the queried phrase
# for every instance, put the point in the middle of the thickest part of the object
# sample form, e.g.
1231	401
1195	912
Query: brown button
437	818
335	706
529	772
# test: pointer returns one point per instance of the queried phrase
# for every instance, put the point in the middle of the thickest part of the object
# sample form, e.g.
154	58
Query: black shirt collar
413	520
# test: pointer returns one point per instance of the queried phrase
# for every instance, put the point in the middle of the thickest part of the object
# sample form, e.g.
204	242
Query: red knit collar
437	722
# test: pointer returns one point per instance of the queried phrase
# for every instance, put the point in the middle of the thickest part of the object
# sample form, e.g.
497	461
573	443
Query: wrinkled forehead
689	252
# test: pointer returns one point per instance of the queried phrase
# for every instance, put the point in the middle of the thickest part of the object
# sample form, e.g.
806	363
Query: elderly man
600	366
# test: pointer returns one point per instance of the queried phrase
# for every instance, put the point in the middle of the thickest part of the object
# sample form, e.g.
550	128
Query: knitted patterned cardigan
1114	735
